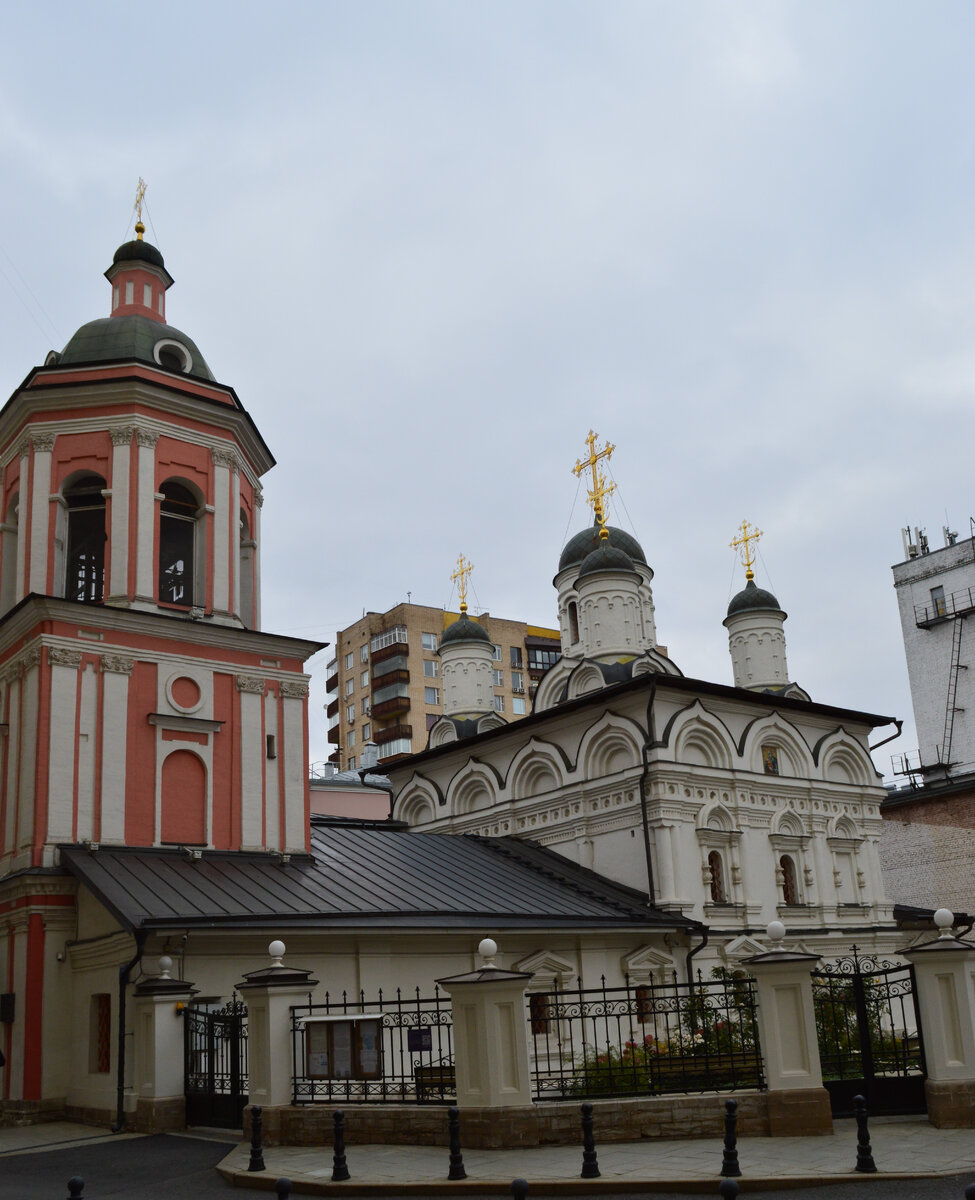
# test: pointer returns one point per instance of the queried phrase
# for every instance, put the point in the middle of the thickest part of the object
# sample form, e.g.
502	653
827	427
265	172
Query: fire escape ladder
953	670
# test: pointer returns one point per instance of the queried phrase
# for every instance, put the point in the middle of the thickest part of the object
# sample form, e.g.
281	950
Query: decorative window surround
187	724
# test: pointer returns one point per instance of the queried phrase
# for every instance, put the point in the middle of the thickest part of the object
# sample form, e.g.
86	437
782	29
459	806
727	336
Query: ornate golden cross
749	534
140	192
459	577
600	490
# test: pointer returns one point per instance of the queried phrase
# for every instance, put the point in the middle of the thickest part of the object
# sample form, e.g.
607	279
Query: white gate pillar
269	994
490	1034
798	1104
944	974
159	1058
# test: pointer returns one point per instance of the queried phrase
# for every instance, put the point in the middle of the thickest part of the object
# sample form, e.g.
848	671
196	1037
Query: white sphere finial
165	966
276	951
487	949
776	932
944	918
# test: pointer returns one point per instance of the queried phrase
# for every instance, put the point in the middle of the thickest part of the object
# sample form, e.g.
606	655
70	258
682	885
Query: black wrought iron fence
397	1047
645	1039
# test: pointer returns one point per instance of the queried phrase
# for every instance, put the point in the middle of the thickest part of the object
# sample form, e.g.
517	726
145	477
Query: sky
431	245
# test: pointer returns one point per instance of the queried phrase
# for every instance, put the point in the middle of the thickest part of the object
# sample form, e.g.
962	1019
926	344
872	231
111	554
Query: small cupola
755	620
139	279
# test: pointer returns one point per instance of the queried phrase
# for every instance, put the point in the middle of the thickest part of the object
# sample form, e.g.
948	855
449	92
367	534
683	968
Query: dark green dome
117	339
606	557
139	250
464	630
577	548
752	597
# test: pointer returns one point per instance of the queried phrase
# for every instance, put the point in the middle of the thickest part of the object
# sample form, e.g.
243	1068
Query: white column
294	698
116	670
23	451
252	761
12	678
663	839
490	1034
256	534
40	512
223	462
145	533
25	793
87	732
118	565
158	1069
63	666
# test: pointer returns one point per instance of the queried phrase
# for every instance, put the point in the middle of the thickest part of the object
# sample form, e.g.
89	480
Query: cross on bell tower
600	490
464	568
742	543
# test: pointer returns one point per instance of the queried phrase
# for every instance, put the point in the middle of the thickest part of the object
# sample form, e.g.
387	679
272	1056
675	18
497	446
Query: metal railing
646	1039
409	1057
954	605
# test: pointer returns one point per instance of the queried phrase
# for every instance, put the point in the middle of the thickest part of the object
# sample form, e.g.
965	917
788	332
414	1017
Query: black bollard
456	1158
727	1189
970	1192
283	1188
519	1189
865	1161
257	1149
729	1163
340	1171
76	1185
590	1167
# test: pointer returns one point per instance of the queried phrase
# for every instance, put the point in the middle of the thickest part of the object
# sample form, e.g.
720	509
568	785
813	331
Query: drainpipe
644	776
690	954
123	983
896	734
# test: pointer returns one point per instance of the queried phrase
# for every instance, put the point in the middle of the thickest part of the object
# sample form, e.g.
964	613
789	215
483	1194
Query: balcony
332	679
390	651
333	735
958	604
332	709
390	708
390	733
385	681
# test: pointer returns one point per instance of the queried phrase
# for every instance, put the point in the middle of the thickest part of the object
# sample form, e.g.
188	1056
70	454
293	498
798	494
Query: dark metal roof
359	876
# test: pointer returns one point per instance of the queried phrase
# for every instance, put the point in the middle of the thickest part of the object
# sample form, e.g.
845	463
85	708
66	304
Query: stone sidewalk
904	1148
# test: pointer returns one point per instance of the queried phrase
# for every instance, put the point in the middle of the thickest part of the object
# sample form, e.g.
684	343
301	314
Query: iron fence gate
869	1035
215	1071
647	1039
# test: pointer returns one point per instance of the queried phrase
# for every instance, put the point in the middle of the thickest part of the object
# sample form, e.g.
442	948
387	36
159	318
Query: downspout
690	954
123	983
644	775
900	726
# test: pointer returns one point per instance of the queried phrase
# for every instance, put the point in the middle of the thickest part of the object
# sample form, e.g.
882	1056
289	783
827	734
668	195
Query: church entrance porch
870	1040
216	1065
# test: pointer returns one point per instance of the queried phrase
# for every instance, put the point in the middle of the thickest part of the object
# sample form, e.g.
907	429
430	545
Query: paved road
167	1167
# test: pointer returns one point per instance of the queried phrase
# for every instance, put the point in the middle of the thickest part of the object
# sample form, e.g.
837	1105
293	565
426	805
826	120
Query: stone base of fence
951	1103
30	1112
158	1116
804	1112
555	1124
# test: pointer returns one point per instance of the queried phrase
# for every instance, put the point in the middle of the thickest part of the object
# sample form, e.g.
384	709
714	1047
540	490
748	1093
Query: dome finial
140	192
459	577
749	534
600	490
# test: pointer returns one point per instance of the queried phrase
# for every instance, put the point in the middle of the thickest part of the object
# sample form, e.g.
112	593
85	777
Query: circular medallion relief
184	693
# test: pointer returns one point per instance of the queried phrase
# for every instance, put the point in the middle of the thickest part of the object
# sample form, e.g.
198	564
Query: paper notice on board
369	1047
342	1050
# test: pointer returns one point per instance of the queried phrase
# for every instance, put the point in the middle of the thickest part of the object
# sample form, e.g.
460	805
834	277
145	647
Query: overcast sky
432	244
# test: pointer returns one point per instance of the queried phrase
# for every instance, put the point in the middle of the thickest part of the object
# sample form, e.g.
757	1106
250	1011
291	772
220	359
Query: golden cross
749	533
140	192
459	577
599	490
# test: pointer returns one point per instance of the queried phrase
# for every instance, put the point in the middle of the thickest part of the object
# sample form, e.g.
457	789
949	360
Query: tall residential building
935	595
384	684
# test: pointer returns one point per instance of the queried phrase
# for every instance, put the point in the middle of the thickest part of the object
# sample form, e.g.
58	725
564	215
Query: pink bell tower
140	705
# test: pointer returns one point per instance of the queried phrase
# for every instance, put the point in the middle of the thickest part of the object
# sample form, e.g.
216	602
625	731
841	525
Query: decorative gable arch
475	786
537	767
842	759
792	754
696	736
417	803
787	823
611	744
548	970
584	679
647	965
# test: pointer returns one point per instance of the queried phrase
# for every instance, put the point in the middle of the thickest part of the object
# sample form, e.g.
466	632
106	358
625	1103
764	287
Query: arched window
790	881
84	573
246	572
573	622
719	894
177	544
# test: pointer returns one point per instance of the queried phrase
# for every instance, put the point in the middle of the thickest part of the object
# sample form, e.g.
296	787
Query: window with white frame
499	703
518	706
349	660
497	653
431	695
429	641
431	668
364	653
499	678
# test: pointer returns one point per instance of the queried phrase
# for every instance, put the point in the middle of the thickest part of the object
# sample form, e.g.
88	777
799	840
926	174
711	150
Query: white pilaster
145	571
24	452
235	539
26	789
222	463
252	761
118	564
64	666
116	670
13	754
87	726
256	533
292	746
40	512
